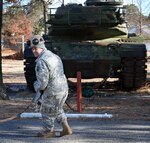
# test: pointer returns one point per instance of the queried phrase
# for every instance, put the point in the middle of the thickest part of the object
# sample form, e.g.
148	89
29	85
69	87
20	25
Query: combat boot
66	129
46	134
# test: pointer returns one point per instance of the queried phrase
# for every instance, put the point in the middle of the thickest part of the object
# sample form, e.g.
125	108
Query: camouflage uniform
51	79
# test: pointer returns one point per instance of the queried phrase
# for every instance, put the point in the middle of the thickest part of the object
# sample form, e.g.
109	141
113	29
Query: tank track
133	74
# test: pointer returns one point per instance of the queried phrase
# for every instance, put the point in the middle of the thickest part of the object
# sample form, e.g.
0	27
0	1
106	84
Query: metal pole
79	92
22	43
39	115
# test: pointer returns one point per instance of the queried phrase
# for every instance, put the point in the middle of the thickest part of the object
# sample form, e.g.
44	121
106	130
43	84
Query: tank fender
133	50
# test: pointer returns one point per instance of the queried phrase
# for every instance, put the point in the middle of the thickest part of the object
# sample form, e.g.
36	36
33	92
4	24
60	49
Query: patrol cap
36	41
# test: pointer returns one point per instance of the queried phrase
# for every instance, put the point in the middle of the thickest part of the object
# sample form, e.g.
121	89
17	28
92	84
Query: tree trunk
2	93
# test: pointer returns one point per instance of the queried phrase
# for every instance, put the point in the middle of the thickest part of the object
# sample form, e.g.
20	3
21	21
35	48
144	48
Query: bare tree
1	13
142	6
2	93
140	3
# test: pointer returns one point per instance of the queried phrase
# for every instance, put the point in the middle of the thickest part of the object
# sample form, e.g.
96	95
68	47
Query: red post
79	92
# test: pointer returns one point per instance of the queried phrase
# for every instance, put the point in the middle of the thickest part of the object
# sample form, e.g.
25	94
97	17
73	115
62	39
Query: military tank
93	38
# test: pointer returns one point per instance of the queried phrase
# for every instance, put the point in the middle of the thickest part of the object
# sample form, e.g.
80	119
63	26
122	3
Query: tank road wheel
133	73
29	72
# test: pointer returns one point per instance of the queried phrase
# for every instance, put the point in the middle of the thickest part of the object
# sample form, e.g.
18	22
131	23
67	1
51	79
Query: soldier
53	84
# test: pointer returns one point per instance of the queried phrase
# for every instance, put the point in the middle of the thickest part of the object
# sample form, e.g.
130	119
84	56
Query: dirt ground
133	105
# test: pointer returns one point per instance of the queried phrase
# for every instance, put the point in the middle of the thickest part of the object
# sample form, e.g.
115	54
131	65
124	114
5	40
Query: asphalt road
100	131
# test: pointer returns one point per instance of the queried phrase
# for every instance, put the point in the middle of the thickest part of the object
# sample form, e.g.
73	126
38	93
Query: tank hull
94	60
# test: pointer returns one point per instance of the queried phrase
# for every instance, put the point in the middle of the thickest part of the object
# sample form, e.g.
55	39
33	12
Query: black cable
70	106
16	116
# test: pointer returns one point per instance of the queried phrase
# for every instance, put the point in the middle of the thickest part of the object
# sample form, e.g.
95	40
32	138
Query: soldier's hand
37	96
38	106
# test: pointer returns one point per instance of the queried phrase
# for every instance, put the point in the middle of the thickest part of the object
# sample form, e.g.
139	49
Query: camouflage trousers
52	110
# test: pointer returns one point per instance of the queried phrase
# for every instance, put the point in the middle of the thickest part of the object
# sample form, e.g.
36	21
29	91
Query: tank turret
89	22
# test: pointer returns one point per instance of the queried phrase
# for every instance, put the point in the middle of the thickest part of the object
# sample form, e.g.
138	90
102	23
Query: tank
93	38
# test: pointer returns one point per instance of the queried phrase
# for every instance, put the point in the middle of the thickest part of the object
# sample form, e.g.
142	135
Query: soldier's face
36	51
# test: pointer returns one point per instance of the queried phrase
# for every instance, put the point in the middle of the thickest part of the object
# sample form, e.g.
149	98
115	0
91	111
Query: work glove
38	106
